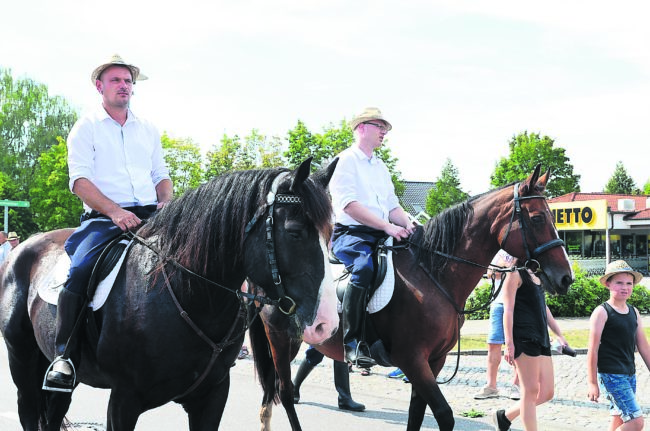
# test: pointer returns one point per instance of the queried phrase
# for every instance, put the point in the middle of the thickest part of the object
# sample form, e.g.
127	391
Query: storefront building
598	228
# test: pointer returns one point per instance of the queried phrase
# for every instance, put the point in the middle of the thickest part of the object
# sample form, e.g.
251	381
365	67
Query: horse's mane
203	230
442	233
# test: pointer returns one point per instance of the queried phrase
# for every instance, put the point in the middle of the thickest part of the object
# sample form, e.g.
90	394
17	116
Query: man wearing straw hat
366	209
116	168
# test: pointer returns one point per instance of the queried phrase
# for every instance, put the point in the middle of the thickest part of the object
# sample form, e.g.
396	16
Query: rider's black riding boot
354	313
342	384
61	375
303	372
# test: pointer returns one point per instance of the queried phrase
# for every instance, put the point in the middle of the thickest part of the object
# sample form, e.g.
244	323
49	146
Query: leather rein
284	303
530	264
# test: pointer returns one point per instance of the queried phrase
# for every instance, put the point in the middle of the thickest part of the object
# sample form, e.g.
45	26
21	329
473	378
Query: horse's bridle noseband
531	258
285	303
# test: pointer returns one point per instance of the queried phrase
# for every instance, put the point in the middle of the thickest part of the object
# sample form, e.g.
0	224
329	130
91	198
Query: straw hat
618	267
369	114
12	236
116	60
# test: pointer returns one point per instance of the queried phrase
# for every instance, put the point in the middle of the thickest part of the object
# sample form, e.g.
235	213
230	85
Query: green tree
53	204
255	151
30	122
183	158
19	219
323	147
620	182
221	159
646	188
526	151
446	192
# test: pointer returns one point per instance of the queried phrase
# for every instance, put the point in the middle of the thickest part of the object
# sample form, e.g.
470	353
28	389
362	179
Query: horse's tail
264	365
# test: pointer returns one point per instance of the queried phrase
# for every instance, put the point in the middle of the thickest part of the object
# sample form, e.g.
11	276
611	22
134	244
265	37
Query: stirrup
49	386
362	360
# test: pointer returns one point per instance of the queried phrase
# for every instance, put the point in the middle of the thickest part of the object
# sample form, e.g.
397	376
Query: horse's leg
58	404
124	409
417	409
283	350
425	390
24	372
282	359
205	412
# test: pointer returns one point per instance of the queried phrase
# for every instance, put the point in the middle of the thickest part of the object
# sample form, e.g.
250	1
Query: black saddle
106	262
379	256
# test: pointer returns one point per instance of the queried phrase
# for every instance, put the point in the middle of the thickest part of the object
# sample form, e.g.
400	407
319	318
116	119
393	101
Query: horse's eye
294	229
537	219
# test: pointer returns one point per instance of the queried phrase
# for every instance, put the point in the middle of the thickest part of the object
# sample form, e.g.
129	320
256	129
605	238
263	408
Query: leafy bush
585	294
479	298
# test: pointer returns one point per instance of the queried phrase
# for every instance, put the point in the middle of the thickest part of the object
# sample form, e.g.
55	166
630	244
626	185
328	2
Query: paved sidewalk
569	410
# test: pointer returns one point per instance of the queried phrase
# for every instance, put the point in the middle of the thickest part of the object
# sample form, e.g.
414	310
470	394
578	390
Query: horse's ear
302	173
529	185
323	176
543	180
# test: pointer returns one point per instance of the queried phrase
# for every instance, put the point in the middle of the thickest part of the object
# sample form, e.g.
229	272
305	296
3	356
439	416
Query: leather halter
285	303
531	257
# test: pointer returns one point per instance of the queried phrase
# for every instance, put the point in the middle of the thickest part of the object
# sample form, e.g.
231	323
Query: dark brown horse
434	276
174	322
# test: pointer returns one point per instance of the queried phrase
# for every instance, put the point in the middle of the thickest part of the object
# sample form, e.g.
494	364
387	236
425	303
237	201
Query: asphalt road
386	399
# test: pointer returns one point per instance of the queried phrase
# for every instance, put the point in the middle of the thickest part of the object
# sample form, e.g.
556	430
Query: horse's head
291	263
528	233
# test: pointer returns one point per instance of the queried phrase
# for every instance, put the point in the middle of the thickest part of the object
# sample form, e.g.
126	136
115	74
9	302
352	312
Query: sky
457	79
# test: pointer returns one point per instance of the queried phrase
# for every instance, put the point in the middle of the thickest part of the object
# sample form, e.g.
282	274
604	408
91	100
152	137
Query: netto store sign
582	215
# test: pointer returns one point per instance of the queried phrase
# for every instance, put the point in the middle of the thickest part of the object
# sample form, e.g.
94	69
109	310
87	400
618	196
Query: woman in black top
526	319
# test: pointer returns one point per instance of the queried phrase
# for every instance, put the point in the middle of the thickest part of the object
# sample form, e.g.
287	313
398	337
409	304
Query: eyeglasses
379	126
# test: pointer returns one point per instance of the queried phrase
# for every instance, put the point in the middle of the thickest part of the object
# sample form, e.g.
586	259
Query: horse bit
531	263
284	301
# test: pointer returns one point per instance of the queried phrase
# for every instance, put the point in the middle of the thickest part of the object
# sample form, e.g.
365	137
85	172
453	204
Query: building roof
414	198
639	211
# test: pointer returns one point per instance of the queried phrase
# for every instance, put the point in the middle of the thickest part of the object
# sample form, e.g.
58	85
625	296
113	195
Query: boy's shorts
495	334
620	390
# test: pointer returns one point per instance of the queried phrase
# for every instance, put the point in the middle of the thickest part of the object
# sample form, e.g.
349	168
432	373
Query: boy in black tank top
616	330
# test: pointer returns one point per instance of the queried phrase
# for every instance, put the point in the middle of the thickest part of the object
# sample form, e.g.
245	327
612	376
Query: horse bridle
531	258
285	303
271	199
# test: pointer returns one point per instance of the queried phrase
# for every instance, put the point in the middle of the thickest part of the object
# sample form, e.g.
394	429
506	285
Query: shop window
627	246
573	242
615	246
641	245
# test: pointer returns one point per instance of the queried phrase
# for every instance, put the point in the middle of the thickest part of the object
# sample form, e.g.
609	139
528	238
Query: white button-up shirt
4	251
124	162
362	179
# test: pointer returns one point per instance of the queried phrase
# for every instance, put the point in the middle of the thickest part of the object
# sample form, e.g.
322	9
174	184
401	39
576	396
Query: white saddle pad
53	281
384	292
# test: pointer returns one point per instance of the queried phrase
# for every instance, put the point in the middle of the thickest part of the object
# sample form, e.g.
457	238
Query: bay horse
174	322
435	272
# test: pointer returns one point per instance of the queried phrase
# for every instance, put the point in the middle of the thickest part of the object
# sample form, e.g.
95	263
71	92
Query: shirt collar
362	156
103	115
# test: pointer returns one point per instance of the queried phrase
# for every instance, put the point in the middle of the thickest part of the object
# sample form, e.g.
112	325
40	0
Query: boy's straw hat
618	267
